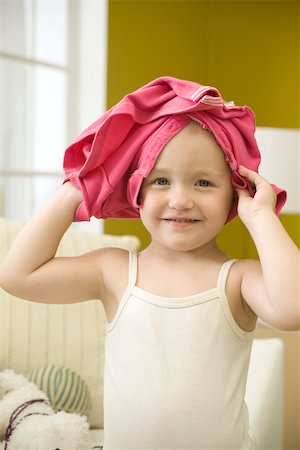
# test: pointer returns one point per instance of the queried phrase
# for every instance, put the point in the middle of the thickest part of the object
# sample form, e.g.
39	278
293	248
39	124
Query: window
52	85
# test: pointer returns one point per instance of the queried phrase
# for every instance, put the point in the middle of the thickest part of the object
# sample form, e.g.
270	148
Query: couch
34	335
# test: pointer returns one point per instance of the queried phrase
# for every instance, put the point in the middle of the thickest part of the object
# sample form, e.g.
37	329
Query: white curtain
33	98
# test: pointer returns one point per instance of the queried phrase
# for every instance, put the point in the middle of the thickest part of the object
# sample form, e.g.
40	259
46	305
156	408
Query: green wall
249	50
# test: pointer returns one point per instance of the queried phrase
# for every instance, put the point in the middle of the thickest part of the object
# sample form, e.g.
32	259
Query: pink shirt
109	160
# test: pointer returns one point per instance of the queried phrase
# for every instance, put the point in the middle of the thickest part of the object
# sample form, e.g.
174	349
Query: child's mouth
181	220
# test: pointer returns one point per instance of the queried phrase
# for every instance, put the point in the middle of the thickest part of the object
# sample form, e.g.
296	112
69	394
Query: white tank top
175	371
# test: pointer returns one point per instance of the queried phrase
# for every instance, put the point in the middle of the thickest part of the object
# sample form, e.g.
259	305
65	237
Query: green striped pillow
65	389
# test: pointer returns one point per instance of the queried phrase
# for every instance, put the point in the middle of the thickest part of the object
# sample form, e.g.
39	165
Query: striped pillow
65	389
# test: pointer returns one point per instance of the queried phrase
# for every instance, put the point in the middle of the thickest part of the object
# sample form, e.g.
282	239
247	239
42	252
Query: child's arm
30	270
272	288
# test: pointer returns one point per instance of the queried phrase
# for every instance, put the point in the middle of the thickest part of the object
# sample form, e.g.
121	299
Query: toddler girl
180	314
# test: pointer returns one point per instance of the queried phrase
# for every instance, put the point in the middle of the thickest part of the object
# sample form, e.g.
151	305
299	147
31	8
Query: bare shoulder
247	268
114	263
242	273
250	273
113	254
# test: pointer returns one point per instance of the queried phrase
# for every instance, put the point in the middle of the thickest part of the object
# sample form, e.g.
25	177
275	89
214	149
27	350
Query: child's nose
180	199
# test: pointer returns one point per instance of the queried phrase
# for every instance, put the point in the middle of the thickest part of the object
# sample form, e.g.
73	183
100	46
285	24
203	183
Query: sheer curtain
45	95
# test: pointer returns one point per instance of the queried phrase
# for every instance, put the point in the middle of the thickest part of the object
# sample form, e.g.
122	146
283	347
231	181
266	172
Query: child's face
188	194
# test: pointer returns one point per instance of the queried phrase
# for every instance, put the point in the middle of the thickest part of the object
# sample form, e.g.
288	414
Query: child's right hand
31	271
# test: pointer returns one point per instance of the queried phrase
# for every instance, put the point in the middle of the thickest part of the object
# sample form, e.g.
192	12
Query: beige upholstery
34	334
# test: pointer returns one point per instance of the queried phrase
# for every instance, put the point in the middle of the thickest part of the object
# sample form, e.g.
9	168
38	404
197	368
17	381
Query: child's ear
140	201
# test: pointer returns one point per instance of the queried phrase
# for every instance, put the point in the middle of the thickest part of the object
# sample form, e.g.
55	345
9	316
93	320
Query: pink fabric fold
109	160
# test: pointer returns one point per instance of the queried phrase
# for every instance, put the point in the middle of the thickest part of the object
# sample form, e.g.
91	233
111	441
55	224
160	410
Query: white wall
280	151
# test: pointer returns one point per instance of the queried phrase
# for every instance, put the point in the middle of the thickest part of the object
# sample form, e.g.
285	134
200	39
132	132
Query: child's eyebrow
206	173
161	169
194	172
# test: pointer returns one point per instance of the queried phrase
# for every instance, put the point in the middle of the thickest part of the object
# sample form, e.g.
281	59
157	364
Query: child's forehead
193	144
192	136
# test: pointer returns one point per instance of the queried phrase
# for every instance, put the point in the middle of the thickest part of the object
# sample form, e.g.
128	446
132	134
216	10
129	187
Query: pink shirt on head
109	160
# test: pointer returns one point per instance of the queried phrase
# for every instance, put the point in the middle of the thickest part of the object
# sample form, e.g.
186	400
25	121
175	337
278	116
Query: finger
251	175
242	193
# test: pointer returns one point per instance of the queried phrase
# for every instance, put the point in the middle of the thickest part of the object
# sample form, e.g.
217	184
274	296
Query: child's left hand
264	198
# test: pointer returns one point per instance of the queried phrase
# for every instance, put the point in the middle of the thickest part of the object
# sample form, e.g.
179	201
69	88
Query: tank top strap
132	270
223	275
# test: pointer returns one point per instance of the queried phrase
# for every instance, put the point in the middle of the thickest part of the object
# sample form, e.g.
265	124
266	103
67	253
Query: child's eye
161	181
203	183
